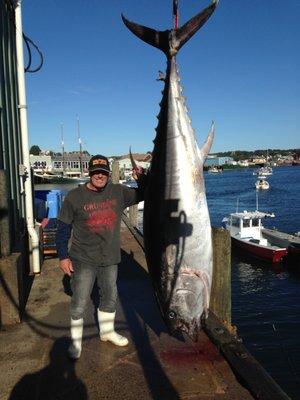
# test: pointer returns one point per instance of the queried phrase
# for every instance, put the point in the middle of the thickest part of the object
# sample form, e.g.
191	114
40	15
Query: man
93	212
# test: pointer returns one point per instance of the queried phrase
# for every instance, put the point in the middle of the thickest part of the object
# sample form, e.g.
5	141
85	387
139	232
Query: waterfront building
212	160
243	163
71	163
259	160
125	165
41	163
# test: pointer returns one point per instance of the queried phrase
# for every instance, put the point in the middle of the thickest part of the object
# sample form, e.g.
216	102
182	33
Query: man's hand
137	172
66	266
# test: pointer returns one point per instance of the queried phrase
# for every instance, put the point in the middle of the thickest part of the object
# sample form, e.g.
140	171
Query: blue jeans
82	282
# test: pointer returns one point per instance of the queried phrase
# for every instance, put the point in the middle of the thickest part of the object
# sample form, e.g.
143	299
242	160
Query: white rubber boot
74	349
107	331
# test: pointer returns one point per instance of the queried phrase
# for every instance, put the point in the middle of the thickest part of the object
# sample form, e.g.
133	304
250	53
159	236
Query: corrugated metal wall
10	146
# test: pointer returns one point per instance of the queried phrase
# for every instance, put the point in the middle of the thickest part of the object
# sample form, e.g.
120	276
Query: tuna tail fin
171	41
207	145
155	38
188	30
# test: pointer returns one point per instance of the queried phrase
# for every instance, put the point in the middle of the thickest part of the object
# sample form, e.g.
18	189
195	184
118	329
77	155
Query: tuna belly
178	251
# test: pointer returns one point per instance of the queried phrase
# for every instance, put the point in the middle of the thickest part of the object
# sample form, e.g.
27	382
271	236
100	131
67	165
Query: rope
175	14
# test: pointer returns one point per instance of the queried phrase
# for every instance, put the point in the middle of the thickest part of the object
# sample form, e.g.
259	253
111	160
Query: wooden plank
133	215
134	231
49	252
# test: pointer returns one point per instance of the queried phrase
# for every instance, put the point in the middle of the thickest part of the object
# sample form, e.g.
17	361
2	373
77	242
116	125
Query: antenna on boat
237	205
256	201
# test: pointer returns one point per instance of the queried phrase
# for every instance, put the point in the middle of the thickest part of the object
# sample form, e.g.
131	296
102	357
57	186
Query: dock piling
133	215
115	172
220	299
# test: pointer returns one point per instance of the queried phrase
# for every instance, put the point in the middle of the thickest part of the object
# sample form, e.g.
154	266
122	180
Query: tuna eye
172	315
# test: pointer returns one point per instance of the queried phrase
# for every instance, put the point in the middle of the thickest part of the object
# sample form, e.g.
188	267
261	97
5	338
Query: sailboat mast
63	147
80	146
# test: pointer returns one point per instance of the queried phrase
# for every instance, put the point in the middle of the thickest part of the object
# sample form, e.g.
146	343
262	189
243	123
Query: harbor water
265	300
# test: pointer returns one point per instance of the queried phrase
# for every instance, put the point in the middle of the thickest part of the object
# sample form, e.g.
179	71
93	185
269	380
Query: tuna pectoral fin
184	33
207	145
133	163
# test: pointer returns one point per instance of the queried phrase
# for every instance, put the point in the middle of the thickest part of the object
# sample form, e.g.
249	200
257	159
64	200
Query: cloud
82	90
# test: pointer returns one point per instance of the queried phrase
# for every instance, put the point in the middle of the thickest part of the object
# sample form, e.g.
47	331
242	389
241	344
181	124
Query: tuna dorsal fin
170	41
133	163
207	145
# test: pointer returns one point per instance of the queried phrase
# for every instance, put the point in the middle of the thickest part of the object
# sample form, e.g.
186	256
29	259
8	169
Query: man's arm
63	235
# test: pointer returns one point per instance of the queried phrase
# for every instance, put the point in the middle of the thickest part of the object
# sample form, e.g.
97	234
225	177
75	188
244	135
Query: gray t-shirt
96	220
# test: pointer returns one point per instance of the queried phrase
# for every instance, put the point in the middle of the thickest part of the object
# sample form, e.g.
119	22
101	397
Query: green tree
35	150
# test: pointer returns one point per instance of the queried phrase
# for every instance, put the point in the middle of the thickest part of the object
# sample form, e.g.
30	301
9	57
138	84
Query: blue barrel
54	200
40	209
41	194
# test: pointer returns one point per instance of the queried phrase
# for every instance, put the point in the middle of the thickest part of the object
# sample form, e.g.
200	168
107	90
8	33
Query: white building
243	163
41	163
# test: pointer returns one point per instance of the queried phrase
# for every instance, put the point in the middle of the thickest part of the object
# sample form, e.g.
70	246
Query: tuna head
188	304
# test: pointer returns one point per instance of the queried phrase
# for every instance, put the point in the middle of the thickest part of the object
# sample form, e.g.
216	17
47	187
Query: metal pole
25	168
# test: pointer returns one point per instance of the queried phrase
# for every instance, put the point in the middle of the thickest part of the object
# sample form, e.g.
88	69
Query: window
246	223
235	222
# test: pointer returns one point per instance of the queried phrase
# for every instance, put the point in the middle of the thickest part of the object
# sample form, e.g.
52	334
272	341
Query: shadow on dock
142	316
56	380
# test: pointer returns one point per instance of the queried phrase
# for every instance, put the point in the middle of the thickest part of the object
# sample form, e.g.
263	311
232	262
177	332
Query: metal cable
28	42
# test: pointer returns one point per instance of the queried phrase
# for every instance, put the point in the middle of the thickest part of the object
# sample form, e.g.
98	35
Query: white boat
292	242
214	170
261	183
245	229
263	171
44	177
267	171
62	179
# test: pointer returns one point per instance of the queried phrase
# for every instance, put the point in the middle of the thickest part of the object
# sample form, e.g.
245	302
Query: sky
242	70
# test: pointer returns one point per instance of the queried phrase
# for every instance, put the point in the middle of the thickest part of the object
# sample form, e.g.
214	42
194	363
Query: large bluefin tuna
177	231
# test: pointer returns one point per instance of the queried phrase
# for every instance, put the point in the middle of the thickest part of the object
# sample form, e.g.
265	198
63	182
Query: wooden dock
155	365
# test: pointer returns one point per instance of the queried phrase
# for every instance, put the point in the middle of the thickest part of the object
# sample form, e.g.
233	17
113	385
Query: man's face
99	179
